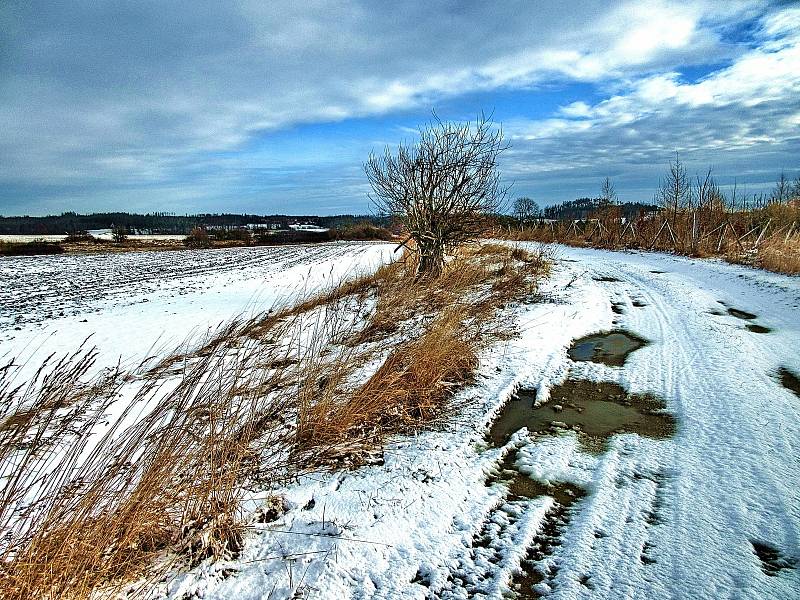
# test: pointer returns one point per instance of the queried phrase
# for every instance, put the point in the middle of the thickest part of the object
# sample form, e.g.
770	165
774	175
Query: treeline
165	223
583	208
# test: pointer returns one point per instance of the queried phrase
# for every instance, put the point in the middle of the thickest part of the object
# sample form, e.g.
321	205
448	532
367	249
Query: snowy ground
673	518
676	518
132	302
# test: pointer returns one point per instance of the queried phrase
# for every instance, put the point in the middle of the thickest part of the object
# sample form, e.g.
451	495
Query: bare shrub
198	238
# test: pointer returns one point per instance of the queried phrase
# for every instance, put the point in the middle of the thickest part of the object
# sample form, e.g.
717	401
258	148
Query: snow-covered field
712	512
134	302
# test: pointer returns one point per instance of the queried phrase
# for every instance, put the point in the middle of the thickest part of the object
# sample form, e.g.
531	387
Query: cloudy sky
273	106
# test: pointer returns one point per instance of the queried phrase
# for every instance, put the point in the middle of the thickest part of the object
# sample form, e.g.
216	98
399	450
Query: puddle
639	303
618	308
658	272
716	312
772	562
756	328
596	410
608	348
537	566
789	380
741	314
606	278
522	487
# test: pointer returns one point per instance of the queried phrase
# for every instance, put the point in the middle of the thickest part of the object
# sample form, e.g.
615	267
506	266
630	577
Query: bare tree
441	187
675	191
782	191
795	192
525	209
608	194
119	233
709	194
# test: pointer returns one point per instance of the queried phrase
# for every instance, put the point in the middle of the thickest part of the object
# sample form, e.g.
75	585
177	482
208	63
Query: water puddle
789	380
536	567
618	308
639	303
596	410
741	314
756	328
772	561
607	278
608	348
522	487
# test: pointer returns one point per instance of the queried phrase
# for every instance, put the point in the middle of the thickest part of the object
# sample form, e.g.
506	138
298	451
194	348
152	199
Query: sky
273	107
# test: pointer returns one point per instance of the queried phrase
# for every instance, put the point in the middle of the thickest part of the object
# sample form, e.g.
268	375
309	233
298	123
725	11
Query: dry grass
766	237
780	254
126	475
437	327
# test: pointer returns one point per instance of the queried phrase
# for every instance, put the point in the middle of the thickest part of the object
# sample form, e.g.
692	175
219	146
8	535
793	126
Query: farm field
132	302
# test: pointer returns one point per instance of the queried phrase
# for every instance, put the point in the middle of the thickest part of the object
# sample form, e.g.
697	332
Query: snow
136	302
672	518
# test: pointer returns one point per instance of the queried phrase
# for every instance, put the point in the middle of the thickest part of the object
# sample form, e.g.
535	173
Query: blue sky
273	106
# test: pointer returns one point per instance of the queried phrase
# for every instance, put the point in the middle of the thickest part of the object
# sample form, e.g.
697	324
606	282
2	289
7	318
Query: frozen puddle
610	348
596	410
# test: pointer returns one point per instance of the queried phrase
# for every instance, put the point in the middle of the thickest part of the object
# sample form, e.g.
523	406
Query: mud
741	314
610	348
772	561
548	538
789	380
596	410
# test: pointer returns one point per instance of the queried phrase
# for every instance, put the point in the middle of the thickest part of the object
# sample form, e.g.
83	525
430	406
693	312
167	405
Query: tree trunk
431	259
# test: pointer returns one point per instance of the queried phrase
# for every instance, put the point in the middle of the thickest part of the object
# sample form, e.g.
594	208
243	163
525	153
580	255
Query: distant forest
582	208
164	223
167	223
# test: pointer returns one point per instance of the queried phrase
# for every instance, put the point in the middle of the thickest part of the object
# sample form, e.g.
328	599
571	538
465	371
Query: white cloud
88	97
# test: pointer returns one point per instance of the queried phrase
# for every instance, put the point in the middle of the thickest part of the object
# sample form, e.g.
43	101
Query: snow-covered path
712	512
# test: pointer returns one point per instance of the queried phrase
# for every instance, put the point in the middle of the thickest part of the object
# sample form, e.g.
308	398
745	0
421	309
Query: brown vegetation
33	248
767	237
125	475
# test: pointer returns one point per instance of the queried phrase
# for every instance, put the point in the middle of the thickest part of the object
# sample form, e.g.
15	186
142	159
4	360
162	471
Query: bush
198	238
79	236
119	233
362	231
33	248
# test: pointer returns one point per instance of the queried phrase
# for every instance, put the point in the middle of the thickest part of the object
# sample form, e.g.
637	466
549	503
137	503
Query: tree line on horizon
164	223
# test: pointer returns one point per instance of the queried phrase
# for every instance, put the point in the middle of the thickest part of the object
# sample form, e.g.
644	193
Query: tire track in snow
694	368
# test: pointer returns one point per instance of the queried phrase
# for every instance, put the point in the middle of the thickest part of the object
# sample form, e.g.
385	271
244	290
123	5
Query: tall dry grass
766	237
112	480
